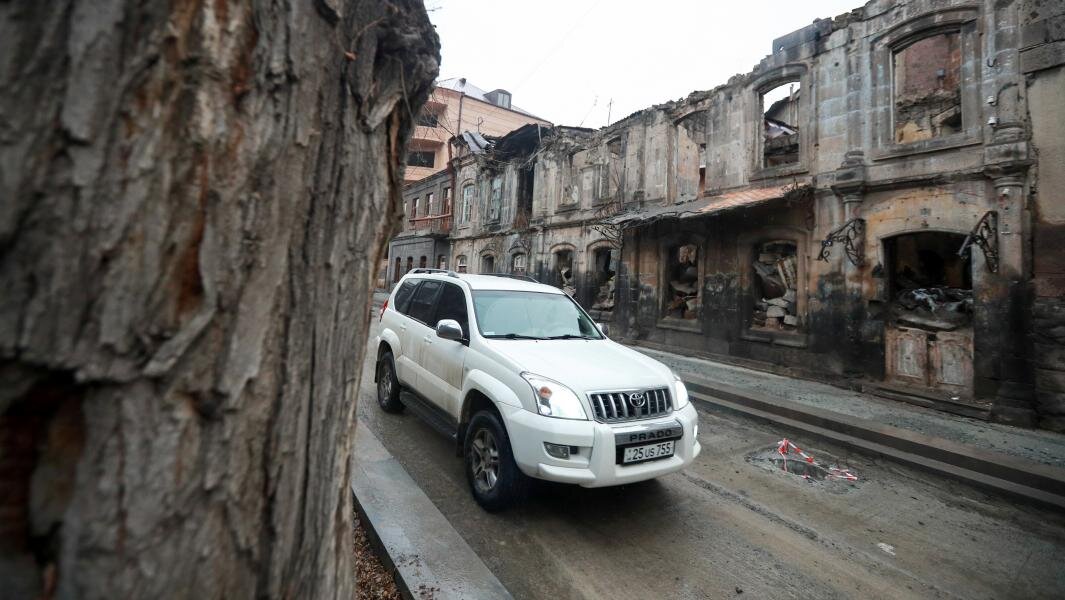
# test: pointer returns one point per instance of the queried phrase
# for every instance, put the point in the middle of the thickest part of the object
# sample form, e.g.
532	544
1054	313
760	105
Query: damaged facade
880	200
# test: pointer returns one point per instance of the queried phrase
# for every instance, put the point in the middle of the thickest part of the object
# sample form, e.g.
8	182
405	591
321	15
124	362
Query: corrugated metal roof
702	207
475	142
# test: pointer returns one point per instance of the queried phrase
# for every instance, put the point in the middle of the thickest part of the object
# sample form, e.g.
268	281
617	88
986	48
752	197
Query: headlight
554	399
680	393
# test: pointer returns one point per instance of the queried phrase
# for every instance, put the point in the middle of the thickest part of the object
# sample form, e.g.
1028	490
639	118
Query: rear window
423	305
404	294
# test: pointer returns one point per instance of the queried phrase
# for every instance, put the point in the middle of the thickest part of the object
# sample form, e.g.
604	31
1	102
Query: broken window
430	209
683	299
517	263
780	118
928	88
604	268
413	209
447	202
931	286
441	261
488	264
563	271
468	192
421	263
495	203
775	286
460	263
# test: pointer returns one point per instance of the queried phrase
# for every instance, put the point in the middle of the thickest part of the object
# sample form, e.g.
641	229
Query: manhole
813	466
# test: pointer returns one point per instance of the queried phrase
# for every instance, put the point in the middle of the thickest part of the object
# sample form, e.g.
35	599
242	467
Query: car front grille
617	407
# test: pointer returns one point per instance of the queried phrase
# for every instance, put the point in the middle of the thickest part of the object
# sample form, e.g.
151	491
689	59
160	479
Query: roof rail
512	276
447	272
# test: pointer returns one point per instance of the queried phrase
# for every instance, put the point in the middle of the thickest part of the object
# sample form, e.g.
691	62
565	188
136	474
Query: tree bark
194	198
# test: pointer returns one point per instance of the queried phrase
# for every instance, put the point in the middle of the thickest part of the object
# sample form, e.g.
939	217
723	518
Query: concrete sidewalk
1026	463
428	556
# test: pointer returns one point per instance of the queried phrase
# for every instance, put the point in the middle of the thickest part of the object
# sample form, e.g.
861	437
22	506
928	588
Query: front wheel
388	385
494	477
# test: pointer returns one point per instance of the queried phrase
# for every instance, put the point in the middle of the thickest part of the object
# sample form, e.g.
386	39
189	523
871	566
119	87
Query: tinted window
403	295
452	305
423	304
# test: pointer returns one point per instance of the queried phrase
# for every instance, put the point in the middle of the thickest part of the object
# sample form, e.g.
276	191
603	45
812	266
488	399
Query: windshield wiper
514	336
570	336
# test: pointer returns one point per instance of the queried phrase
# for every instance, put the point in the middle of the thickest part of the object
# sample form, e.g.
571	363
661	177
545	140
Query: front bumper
595	465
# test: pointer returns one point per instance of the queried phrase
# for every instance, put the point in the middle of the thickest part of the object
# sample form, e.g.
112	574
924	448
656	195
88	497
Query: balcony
432	225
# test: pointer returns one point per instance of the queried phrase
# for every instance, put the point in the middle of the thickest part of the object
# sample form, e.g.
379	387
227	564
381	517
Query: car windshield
531	315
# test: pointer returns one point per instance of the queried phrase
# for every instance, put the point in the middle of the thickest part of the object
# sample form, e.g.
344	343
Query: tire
500	483
388	385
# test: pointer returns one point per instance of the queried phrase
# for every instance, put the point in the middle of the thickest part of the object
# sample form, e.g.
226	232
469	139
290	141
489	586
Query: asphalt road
734	525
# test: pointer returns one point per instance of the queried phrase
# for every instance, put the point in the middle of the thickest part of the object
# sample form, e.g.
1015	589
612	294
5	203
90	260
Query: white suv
528	386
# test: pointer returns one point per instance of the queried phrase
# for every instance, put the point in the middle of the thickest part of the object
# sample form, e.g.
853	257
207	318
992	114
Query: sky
580	62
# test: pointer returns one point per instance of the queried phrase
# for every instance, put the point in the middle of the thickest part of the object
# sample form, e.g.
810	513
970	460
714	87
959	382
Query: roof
702	207
459	84
475	141
492	282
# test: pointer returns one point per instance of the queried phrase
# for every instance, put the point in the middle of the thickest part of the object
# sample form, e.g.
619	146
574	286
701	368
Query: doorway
929	334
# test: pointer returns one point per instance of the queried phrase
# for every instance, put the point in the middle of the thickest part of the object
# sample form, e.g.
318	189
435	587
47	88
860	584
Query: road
735	525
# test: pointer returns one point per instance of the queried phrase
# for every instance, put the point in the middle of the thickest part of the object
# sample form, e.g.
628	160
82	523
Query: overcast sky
565	60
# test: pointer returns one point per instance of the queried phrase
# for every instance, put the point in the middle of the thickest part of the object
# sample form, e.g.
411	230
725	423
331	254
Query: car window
423	304
452	305
404	294
531	314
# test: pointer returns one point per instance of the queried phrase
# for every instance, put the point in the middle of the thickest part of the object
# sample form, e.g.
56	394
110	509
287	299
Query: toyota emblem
637	399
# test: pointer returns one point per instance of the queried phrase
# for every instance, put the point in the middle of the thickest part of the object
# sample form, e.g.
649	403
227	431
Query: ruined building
880	201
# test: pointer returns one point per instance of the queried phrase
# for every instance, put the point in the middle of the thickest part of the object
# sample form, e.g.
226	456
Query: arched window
518	263
460	263
682	274
928	88
422	262
488	264
562	271
468	192
410	264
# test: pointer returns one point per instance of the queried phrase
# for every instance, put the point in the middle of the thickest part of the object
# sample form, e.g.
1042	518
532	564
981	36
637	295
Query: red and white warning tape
784	446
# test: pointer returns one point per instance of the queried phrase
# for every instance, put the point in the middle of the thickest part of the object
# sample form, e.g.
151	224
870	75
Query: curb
413	539
1020	479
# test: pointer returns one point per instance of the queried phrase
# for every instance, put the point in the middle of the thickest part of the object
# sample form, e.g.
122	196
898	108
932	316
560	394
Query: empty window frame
422	263
495	200
780	125
682	300
460	263
441	261
488	263
927	88
468	193
563	271
410	264
774	286
604	268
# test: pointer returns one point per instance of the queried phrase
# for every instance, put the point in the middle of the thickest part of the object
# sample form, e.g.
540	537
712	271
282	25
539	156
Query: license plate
649	452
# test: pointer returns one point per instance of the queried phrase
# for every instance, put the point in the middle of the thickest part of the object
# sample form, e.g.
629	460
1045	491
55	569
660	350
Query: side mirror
604	327
449	329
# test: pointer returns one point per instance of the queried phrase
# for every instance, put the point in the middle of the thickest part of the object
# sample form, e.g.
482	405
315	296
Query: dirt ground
372	580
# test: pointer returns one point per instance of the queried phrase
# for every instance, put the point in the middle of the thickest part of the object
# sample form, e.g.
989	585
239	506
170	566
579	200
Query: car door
422	310
444	359
401	325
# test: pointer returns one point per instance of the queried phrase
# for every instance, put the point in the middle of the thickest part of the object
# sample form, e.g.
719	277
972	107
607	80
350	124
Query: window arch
518	263
488	263
460	263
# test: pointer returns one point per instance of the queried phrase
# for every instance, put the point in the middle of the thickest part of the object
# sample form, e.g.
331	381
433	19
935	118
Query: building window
398	272
447	202
421	263
441	261
410	264
604	268
429	208
460	263
421	158
683	299
413	214
928	88
428	118
495	200
563	271
467	203
488	264
517	263
775	286
780	129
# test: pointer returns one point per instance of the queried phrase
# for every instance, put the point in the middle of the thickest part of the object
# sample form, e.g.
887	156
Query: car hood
585	365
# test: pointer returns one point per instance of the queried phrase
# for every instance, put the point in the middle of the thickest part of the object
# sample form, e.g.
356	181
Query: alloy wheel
484	454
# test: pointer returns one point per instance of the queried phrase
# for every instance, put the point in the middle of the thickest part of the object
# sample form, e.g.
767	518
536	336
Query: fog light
557	450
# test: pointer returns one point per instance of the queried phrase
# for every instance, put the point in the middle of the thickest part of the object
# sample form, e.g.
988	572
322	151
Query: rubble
777	273
933	309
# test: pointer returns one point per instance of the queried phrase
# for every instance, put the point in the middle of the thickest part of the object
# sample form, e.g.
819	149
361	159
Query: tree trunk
194	198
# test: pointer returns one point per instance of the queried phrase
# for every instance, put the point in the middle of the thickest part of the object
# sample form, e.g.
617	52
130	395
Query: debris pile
684	284
933	308
777	272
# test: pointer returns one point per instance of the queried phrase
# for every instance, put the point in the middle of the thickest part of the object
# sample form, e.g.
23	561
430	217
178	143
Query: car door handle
428	339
